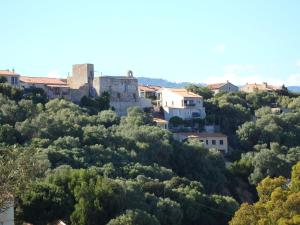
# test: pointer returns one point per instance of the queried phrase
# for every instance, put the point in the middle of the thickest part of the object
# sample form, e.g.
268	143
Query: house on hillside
181	103
249	88
123	90
53	87
223	87
161	123
210	140
148	91
11	77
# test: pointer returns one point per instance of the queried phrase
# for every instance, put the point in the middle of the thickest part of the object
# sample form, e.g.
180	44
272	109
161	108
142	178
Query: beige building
181	103
249	88
148	91
11	77
223	87
161	123
53	87
210	140
123	92
81	81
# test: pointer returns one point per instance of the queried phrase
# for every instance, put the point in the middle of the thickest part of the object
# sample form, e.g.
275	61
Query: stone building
81	81
11	77
123	91
249	88
53	87
223	87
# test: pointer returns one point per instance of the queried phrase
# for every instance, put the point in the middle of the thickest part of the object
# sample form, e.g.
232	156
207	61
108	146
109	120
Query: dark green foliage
105	169
3	80
95	105
205	92
134	217
11	92
37	95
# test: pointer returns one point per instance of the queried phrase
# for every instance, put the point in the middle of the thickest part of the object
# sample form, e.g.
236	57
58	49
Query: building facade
210	140
11	77
147	91
181	103
249	88
223	87
53	87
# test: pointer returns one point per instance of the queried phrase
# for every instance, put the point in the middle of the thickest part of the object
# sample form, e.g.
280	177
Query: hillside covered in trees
87	166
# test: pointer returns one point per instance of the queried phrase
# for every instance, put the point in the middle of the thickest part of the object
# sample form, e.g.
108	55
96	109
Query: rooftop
8	73
43	80
215	86
202	135
183	92
159	120
263	87
148	88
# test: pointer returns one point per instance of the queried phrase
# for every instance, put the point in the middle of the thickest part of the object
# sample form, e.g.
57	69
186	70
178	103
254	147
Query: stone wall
81	81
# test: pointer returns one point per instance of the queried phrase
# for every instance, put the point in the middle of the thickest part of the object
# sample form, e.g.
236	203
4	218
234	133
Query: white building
223	87
7	214
181	103
210	140
11	77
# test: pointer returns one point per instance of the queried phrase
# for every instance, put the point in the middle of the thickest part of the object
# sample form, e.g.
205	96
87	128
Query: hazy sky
198	41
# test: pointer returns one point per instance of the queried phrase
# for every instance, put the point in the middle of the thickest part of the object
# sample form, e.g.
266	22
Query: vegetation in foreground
85	165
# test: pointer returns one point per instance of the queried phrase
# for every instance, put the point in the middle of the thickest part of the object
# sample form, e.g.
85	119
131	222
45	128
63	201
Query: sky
207	41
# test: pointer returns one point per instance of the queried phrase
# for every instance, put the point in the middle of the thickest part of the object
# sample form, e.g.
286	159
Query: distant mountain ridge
170	84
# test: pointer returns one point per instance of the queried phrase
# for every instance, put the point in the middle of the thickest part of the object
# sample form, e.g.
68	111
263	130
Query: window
221	142
14	80
119	95
213	142
206	142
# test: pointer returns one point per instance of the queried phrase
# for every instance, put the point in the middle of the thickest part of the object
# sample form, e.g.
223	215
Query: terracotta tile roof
261	87
183	92
202	135
8	73
43	80
149	88
215	86
159	120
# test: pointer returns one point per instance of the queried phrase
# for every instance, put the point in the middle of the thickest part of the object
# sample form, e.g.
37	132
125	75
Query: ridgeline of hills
170	84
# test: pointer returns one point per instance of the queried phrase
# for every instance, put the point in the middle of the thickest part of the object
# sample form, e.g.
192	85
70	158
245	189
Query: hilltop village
176	109
103	148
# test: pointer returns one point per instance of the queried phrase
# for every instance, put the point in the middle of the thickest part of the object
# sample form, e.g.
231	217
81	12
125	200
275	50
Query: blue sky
198	41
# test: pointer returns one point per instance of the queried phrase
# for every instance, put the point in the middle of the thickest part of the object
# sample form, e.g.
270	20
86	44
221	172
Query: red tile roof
43	80
149	88
183	92
215	86
8	73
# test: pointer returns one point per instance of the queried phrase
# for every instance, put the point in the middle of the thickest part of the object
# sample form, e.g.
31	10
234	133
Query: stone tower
81	81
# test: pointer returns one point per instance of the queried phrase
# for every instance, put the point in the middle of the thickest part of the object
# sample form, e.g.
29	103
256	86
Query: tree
205	92
53	205
18	167
135	217
278	202
3	80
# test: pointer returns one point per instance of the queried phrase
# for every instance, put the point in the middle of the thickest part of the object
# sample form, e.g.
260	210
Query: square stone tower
81	81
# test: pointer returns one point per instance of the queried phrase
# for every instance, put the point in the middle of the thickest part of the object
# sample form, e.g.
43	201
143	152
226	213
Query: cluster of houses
125	92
